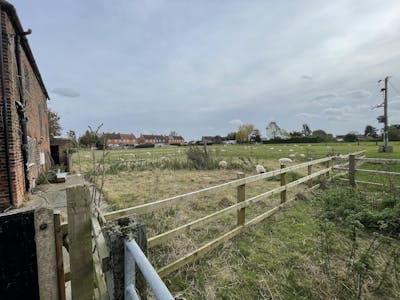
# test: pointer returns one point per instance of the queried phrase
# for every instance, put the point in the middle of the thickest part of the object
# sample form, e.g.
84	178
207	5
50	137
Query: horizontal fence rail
135	256
153	241
378	172
352	170
239	208
380	160
152	206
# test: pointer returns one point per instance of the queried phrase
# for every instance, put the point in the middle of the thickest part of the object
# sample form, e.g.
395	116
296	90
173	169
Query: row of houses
116	140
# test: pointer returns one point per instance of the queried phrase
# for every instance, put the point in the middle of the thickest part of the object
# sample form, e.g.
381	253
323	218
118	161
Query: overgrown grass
298	254
244	157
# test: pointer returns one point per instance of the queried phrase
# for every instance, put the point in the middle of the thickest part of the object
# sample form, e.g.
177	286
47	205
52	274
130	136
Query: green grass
387	180
281	258
285	258
251	154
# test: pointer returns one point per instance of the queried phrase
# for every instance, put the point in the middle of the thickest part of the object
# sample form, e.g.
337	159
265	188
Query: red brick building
152	139
176	140
24	133
120	140
160	139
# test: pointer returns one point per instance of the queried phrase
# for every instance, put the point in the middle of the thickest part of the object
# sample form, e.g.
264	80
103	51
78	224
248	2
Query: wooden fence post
241	196
283	182
328	164
309	172
115	234
58	234
352	170
46	253
80	237
69	161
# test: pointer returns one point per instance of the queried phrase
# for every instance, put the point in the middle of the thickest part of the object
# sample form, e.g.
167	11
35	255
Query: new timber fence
355	161
99	255
239	208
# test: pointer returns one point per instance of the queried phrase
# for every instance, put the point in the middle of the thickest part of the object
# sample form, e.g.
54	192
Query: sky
206	67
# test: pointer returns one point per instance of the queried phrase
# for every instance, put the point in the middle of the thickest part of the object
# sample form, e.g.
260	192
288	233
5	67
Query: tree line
246	133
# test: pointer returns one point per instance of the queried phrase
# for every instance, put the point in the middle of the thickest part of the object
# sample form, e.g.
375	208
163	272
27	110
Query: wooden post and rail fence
91	259
355	161
239	207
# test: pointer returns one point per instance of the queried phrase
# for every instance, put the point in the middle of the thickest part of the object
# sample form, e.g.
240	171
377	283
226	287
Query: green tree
394	132
322	136
93	138
230	136
72	135
88	139
306	130
54	123
350	137
243	134
370	131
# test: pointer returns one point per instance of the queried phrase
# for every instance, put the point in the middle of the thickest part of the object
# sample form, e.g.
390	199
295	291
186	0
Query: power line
393	87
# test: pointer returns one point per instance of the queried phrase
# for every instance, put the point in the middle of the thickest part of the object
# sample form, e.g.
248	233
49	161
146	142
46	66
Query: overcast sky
204	67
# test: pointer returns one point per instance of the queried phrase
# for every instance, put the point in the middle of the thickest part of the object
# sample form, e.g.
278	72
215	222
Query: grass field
246	268
234	153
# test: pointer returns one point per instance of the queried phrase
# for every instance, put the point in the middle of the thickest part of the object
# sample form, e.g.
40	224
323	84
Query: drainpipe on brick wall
22	108
5	108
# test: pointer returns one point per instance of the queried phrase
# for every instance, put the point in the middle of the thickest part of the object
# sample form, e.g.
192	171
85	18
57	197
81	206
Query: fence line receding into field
239	207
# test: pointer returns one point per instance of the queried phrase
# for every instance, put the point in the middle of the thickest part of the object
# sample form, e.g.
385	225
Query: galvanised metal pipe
157	285
130	293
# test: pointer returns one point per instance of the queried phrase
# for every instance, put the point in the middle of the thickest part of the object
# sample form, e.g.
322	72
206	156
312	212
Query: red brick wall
38	131
4	197
37	119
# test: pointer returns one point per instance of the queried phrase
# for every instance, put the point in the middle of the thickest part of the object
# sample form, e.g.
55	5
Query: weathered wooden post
115	234
80	238
241	196
352	170
69	160
283	182
58	234
328	165
309	172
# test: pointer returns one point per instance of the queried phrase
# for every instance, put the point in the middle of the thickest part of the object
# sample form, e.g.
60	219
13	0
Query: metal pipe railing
135	256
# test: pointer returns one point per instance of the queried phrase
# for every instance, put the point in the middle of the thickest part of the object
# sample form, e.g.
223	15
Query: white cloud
305	115
65	92
357	94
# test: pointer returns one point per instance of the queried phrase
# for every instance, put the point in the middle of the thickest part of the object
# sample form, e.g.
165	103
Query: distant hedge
294	140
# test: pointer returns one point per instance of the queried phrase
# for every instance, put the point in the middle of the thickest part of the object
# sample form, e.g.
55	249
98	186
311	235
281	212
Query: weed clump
349	206
46	177
200	159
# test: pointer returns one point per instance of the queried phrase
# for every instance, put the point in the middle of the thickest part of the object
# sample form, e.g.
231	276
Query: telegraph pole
385	114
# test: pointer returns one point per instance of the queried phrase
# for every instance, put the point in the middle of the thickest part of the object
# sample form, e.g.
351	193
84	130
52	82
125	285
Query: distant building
339	138
152	139
255	136
116	140
60	153
211	139
176	140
